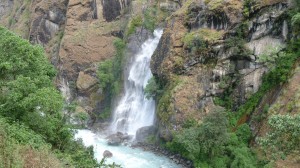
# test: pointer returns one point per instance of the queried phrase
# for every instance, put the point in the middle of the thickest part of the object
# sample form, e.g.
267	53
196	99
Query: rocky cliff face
210	49
76	35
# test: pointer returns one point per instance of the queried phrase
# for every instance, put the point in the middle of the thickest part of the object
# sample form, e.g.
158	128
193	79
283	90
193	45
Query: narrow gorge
150	83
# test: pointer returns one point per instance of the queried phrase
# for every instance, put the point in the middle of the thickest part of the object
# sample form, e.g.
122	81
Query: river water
125	156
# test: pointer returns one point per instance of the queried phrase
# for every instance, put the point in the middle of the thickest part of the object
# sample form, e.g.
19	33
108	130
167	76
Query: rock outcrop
143	134
47	20
209	48
76	35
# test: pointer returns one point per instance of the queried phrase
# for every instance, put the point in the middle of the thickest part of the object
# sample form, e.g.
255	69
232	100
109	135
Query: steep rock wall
88	39
208	49
76	35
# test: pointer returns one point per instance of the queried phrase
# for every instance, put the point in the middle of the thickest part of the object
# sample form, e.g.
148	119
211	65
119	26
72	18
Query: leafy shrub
244	133
152	89
105	73
296	23
283	137
133	24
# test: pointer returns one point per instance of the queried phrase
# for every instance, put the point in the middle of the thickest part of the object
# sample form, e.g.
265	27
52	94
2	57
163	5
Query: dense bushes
33	107
284	136
211	144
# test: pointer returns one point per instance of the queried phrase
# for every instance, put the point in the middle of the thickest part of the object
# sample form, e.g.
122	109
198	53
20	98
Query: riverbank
157	150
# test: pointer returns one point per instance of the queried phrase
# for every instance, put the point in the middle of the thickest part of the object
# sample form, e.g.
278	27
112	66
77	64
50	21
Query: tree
32	105
28	93
212	135
205	141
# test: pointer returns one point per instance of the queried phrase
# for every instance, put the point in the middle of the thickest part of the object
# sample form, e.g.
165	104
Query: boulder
117	139
85	81
143	133
107	154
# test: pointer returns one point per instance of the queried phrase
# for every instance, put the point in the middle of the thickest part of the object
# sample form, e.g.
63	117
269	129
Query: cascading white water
134	110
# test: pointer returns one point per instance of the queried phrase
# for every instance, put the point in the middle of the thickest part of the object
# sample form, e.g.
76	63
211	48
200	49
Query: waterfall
134	110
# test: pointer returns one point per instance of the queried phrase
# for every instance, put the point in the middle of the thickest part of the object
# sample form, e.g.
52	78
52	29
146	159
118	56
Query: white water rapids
132	112
134	109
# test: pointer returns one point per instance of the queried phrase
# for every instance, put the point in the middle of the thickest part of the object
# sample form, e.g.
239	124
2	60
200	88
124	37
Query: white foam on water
125	156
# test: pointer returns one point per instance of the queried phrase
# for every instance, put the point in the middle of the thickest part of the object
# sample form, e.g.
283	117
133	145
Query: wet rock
107	154
143	133
117	139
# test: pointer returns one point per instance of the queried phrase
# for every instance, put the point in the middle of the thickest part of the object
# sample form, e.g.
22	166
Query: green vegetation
269	57
284	137
195	43
237	43
153	89
148	20
110	75
33	127
105	114
296	23
214	4
200	37
164	108
277	75
133	24
200	142
248	7
211	144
